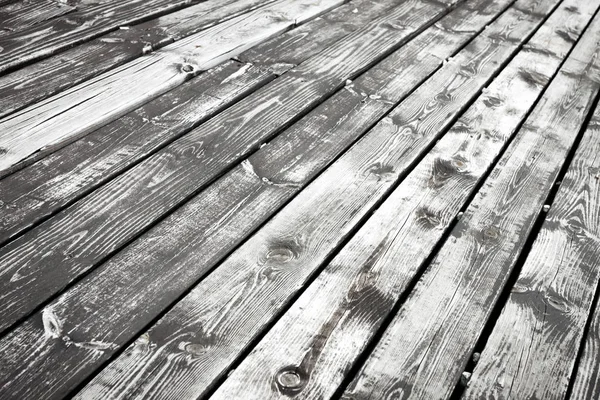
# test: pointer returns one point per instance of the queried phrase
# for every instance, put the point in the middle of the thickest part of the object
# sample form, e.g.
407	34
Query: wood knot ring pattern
290	380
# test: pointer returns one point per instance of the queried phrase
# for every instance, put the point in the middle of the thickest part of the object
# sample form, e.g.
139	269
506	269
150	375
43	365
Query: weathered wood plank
78	238
287	51
586	384
252	287
285	165
427	345
310	350
40	80
532	349
63	118
92	20
44	188
25	13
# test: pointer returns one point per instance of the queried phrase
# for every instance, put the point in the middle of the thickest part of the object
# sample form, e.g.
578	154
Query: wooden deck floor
307	199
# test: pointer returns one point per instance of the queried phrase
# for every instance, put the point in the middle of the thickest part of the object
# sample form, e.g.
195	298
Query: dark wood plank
81	236
93	20
40	80
25	13
330	325
427	345
258	278
59	120
540	329
44	188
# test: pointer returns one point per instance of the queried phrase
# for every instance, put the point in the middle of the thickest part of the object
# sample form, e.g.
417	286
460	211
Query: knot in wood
557	303
290	380
280	254
491	233
187	68
427	218
381	171
492	101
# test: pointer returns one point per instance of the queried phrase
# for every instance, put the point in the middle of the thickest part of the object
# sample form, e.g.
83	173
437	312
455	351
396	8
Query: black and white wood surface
432	337
308	199
42	79
84	234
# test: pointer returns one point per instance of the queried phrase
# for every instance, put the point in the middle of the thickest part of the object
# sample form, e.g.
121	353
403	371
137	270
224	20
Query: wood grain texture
285	165
61	119
25	13
40	80
90	21
586	385
44	188
79	237
256	281
532	349
316	342
288	50
426	347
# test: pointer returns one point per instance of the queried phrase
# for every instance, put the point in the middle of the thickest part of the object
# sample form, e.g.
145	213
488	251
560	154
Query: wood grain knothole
194	349
187	68
491	234
380	170
290	380
557	303
280	254
533	78
492	101
427	218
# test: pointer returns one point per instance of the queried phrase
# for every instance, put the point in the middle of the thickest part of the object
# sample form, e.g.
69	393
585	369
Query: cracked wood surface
80	236
42	79
69	115
540	329
289	222
314	121
273	264
328	328
426	346
89	20
44	188
17	16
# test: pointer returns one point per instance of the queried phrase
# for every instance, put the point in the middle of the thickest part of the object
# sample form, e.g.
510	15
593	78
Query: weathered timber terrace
299	199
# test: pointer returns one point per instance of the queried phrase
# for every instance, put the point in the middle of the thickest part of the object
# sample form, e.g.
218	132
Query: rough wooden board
586	384
93	20
76	239
253	286
425	349
63	118
25	13
44	188
533	347
287	169
286	51
315	343
40	80
286	174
